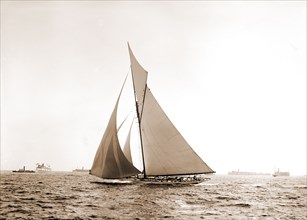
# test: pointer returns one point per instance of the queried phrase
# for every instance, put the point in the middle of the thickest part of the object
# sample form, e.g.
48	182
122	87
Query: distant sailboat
43	167
279	173
81	170
164	150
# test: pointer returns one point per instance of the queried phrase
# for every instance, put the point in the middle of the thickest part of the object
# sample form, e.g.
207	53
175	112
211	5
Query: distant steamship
246	173
23	170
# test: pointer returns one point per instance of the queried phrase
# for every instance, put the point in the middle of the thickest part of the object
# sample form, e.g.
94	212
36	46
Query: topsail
139	76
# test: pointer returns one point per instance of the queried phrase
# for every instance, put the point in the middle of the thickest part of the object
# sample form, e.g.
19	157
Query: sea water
59	195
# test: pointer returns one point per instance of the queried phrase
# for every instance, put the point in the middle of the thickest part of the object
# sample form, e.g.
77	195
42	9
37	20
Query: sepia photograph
153	109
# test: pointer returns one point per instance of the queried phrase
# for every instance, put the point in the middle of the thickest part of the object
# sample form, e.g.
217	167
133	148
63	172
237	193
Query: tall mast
139	120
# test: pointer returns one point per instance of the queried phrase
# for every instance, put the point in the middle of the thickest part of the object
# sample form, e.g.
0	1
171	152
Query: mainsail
165	151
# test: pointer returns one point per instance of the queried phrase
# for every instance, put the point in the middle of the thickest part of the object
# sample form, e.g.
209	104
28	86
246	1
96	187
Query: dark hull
23	171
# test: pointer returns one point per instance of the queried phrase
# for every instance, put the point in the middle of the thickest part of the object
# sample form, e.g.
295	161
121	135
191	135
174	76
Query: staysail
127	150
110	161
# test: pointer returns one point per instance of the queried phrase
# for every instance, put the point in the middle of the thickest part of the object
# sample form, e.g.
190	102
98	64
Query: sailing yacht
166	155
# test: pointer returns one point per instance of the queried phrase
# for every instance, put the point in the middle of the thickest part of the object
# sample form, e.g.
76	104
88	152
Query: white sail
110	161
139	75
166	152
127	150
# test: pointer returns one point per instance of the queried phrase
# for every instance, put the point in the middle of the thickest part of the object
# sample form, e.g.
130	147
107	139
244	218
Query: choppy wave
78	196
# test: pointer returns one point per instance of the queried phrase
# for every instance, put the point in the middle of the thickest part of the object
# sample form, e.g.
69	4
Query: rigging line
143	100
119	127
122	89
138	116
131	108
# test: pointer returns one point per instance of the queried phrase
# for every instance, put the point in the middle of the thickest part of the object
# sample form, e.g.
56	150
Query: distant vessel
81	170
23	170
42	167
165	153
247	173
278	173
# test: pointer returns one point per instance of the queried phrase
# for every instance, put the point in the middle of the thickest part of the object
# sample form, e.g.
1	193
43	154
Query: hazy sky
230	75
